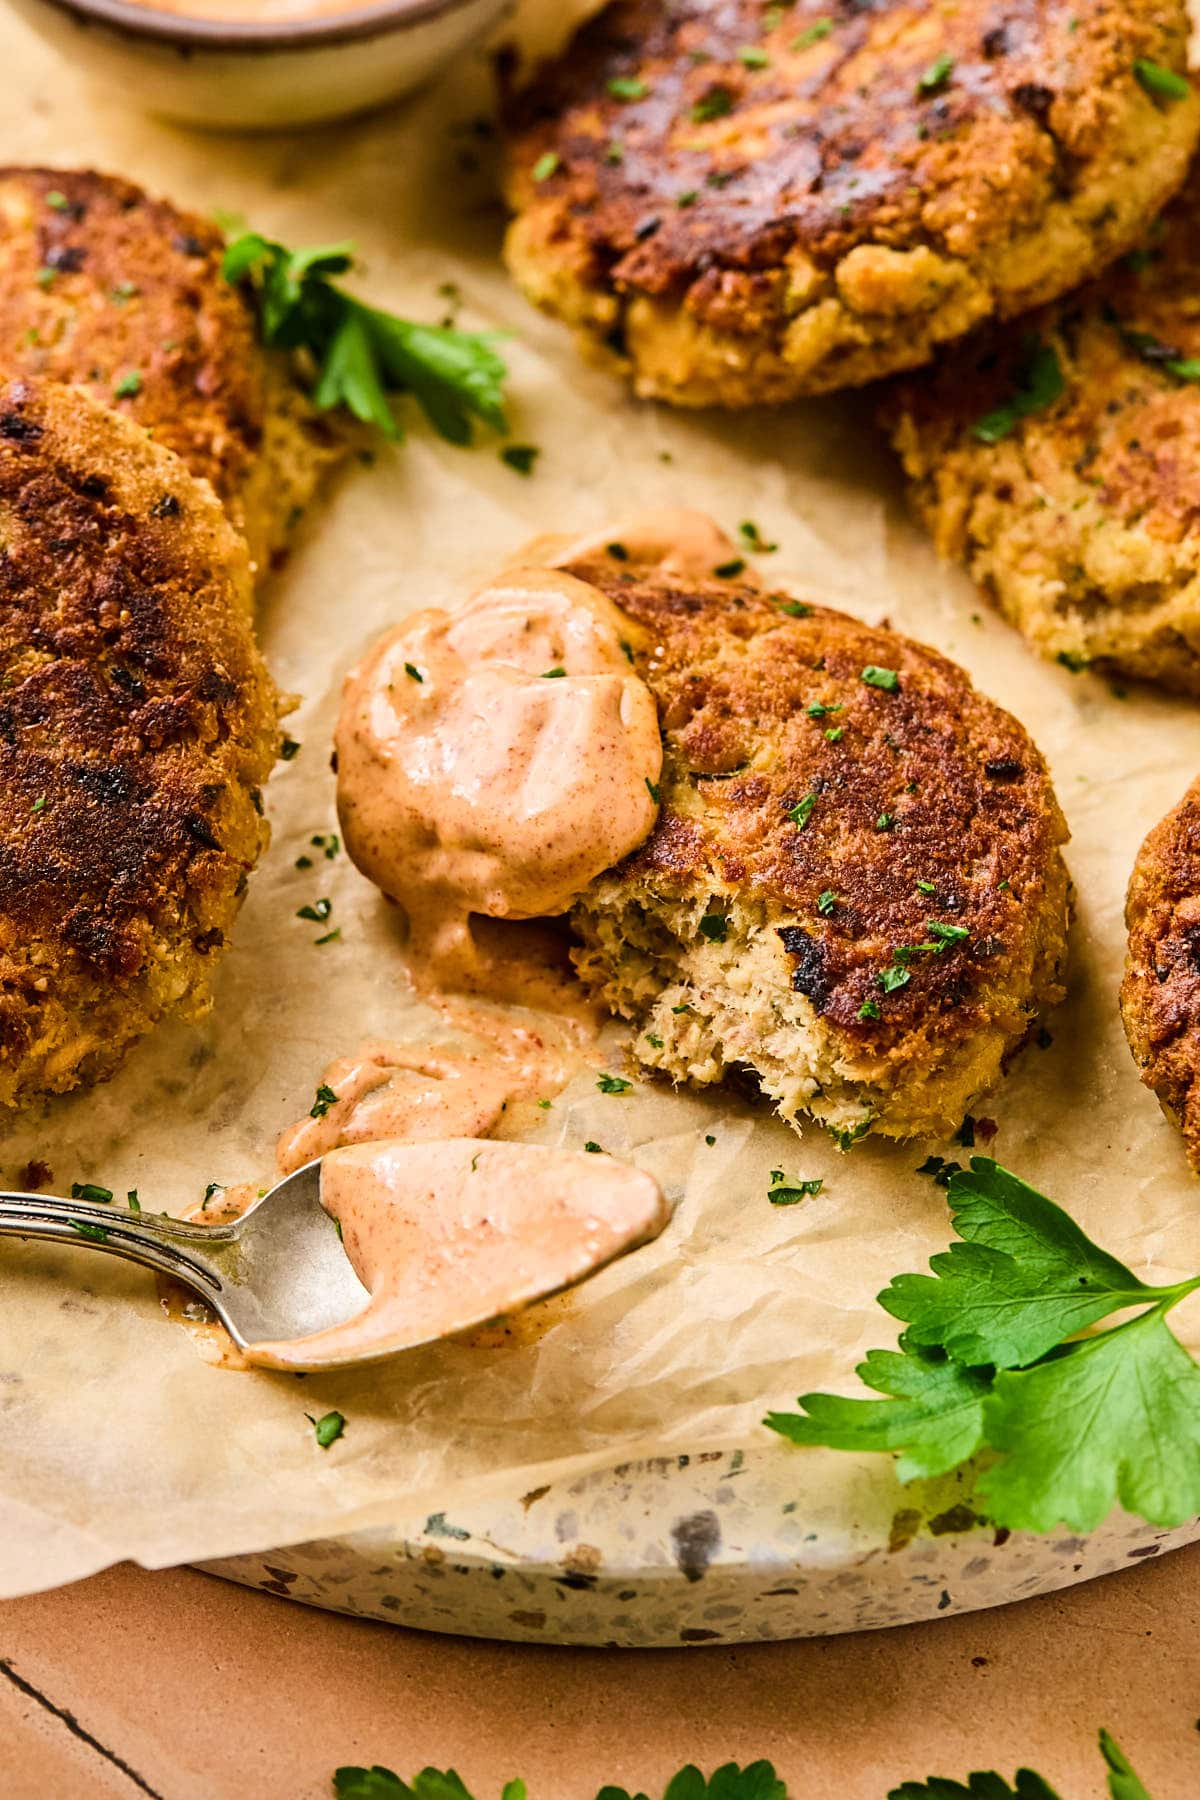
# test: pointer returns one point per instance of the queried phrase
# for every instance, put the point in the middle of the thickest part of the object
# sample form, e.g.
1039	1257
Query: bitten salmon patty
137	723
1060	461
854	887
735	203
105	287
1160	995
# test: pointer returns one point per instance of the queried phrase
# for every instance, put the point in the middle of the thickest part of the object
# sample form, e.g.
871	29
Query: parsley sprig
991	1357
757	1781
1123	1783
361	355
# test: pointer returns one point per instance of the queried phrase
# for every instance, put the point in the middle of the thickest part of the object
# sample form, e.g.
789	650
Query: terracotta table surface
184	1687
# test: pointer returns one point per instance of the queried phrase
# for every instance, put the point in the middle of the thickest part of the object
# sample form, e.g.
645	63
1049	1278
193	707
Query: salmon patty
137	724
1060	461
1160	995
105	287
854	888
736	203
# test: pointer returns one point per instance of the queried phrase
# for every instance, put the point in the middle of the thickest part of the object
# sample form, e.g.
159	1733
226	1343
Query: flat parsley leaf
1024	1279
360	354
1113	1417
378	1783
757	1781
1078	1425
984	1784
1123	1784
934	1417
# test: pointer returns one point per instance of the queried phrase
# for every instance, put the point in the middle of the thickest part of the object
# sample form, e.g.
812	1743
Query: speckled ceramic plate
718	1547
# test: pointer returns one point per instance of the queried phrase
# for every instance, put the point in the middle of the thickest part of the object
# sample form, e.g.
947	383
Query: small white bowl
264	76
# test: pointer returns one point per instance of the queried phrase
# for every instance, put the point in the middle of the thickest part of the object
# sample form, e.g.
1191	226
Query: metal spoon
278	1272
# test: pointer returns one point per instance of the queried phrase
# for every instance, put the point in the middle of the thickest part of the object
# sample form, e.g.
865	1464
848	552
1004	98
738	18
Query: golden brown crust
1160	995
765	207
137	722
105	287
924	803
1083	522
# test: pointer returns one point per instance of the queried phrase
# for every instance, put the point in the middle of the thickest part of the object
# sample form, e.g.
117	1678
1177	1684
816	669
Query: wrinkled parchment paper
117	1439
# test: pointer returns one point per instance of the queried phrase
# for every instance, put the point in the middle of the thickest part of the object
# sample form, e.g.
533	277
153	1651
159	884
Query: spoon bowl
277	1271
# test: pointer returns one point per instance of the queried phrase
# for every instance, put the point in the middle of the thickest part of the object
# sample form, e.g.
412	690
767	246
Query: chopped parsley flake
412	671
716	104
834	734
592	1147
885	821
520	457
826	902
688	198
1160	83
812	34
887	679
895	977
936	76
817	709
1037	383
946	934
39	804
96	1233
627	87
288	748
780	1195
714	926
926	887
653	789
132	1201
318	912
869	1010
555	674
328	1428
546	165
751	57
57	201
728	571
618	552
324	1100
331	937
89	1190
128	386
753	538
613	1084
801	813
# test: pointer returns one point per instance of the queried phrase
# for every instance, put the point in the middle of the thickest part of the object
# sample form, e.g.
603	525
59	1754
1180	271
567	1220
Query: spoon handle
135	1236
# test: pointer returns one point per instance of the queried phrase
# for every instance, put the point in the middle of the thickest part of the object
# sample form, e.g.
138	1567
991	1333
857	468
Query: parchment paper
117	1439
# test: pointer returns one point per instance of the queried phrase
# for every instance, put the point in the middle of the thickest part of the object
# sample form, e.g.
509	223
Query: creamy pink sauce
494	761
397	1091
447	1235
252	12
675	539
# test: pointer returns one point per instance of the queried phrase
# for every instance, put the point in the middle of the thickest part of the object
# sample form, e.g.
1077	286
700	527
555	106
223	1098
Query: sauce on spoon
445	1235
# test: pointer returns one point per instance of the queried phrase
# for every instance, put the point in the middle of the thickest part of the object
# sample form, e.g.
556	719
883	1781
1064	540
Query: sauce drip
494	761
446	1235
